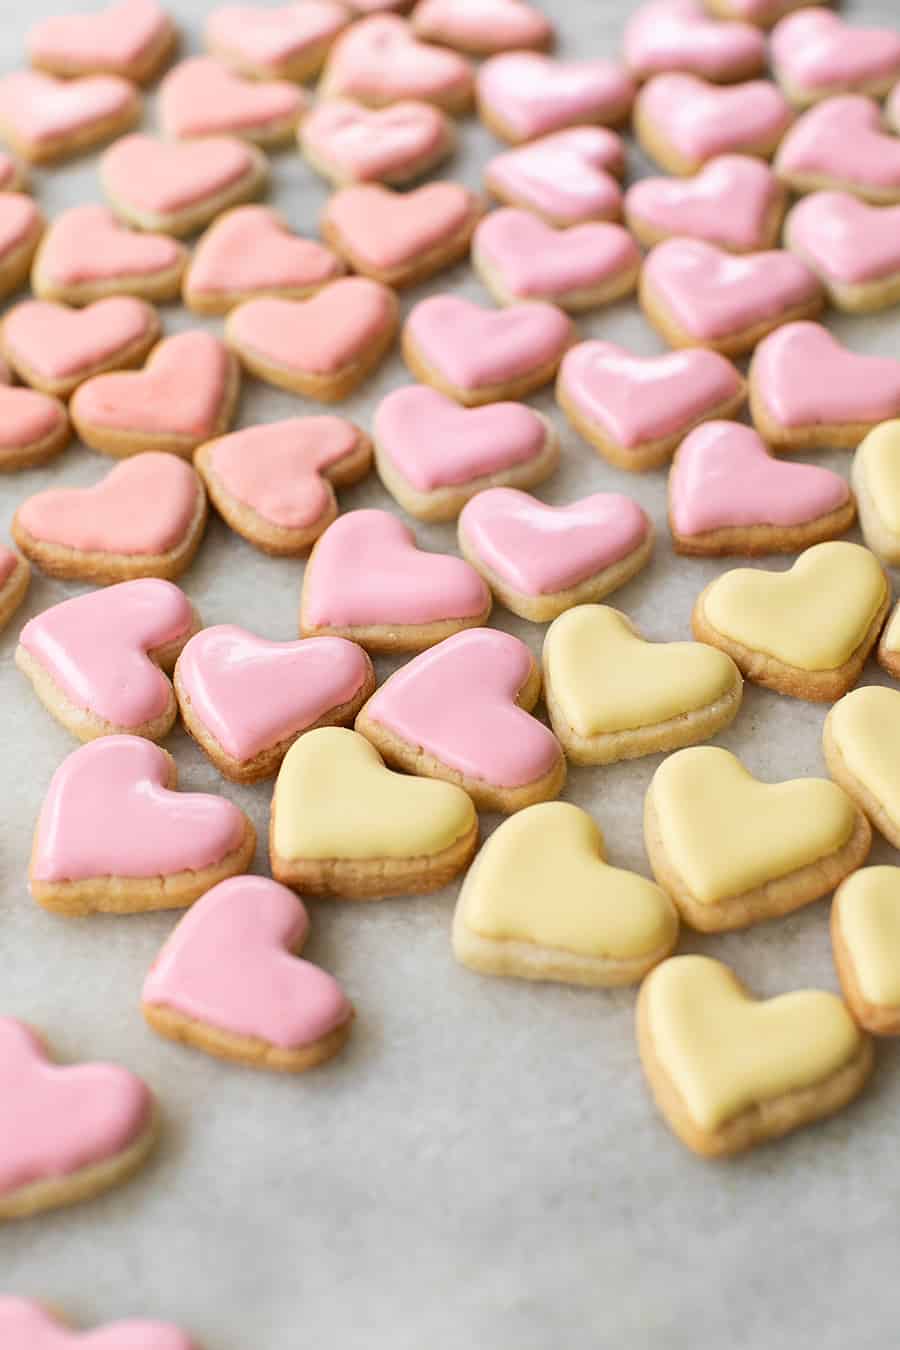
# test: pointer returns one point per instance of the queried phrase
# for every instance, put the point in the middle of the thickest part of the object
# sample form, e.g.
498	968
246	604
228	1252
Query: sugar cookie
462	712
613	695
379	60
43	118
246	700
229	980
344	825
805	632
682	122
734	202
728	1071
21	227
522	95
15	574
861	750
764	13
541	902
87	254
566	178
853	248
26	1323
131	38
816	54
348	143
368	581
55	349
876	481
865	937
889	646
274	484
485	28
841	144
33	428
114	837
203	97
288	42
679	35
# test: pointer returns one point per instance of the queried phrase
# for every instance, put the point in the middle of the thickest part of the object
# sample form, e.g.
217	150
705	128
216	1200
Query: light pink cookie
519	257
368	581
132	38
26	1323
462	712
87	254
484	356
566	178
202	97
15	574
33	428
698	296
287	41
727	494
483	28
44	118
114	836
679	35
21	227
816	54
522	95
145	518
348	143
380	61
841	143
852	247
735	202
540	560
635	409
683	122
246	700
55	348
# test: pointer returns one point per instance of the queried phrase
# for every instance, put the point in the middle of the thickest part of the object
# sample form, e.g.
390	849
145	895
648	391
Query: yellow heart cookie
343	824
889	646
728	1071
732	851
807	631
542	903
861	740
876	482
612	695
865	931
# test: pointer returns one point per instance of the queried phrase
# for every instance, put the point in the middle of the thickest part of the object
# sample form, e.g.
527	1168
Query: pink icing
844	239
26	417
370	143
637	399
201	97
805	377
252	249
162	178
39	108
724	475
386	229
476	348
268	37
109	813
117	37
495	25
318	336
539	549
712	294
728	202
457	701
816	50
277	469
57	1119
250	694
87	244
700	120
533	94
180	392
367	571
379	59
9	561
842	138
434	443
666	35
57	342
567	176
143	506
19	218
230	964
25	1325
95	648
533	260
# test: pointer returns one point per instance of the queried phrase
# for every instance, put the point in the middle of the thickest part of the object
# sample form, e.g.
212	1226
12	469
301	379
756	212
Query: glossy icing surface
535	261
846	240
117	36
320	336
815	50
379	59
252	248
533	94
87	244
369	143
877	466
57	342
729	202
163	177
38	108
26	417
483	25
665	35
864	727
386	229
476	348
842	140
270	35
805	377
568	175
869	916
202	97
700	120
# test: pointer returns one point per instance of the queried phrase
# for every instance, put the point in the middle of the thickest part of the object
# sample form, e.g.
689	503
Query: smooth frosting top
26	1325
567	175
273	34
19	218
666	35
877	464
844	239
701	120
868	912
41	108
319	336
87	243
477	348
387	229
864	725
495	25
729	202
843	139
816	50
369	143
805	377
532	94
57	342
534	260
118	36
26	417
202	97
163	177
379	58
252	248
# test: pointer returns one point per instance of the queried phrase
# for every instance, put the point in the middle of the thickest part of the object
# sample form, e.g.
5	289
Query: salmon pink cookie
735	202
287	42
854	248
115	837
45	119
145	518
566	178
348	143
522	95
541	560
186	394
33	428
841	143
683	122
462	712
87	254
21	227
816	54
252	251
15	574
69	1133
26	1323
55	348
433	456
274	484
728	494
230	981
483	28
367	580
96	662
202	97
131	38
679	35
379	61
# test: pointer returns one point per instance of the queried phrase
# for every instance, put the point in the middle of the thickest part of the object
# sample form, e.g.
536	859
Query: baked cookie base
606	292
801	183
514	389
191	218
396	637
15	265
32	453
736	343
13	590
248	1050
753	541
649	235
874	810
810	436
156	287
614	116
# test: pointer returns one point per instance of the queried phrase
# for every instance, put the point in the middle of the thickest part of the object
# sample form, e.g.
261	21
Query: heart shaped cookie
367	580
114	837
44	119
728	1071
87	254
806	836
876	480
96	662
841	143
380	61
321	348
541	560
613	695
860	742
21	227
15	574
542	903
186	394
735	202
132	38
344	825
635	409
274	484
484	29
68	1133
865	936
889	646
33	428
806	632
348	143
566	178
229	981
24	1322
56	349
462	712
682	122
679	35
145	518
202	97
288	42
522	95
728	494
853	248
476	355
465	450
815	54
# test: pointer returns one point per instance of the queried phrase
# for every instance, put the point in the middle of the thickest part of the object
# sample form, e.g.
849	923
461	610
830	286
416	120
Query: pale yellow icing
725	833
890	638
813	616
606	678
870	925
334	798
542	878
865	724
726	1053
879	459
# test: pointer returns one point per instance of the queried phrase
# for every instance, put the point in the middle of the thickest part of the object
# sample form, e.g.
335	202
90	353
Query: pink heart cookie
55	348
854	248
15	575
33	428
68	1131
682	121
24	1323
202	97
567	177
228	981
87	254
379	61
679	35
522	95
367	580
735	202
129	37
816	54
484	28
840	143
43	118
21	227
13	177
290	41
348	143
